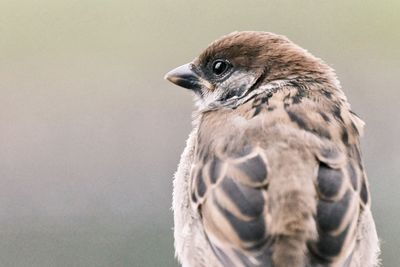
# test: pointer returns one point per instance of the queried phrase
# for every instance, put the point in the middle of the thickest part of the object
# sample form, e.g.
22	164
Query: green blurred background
90	133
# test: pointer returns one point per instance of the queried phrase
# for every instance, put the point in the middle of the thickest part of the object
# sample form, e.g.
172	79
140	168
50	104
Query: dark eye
219	67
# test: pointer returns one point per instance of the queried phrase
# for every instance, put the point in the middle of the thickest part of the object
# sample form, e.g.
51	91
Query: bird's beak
185	76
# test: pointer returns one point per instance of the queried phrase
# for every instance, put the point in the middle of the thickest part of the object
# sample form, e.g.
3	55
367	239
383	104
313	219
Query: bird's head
242	62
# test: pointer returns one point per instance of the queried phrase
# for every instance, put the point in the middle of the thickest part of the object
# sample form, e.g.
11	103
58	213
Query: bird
272	172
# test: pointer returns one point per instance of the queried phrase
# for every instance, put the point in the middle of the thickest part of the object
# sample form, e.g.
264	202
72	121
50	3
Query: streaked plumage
272	173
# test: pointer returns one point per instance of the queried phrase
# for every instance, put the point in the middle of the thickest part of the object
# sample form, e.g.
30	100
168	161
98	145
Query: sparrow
272	173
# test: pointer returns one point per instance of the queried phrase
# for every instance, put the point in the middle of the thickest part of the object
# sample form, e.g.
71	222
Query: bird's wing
286	202
232	198
342	197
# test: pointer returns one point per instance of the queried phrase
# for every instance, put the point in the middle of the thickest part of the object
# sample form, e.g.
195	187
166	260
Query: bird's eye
219	67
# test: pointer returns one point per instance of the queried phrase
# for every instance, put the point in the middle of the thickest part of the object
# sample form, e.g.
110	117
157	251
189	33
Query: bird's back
279	182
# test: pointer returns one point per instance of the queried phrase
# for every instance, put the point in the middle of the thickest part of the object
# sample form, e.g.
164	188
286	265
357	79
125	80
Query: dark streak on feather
303	125
345	136
364	192
324	116
297	98
255	168
248	231
330	214
337	113
327	94
194	198
201	186
329	246
248	200
257	110
329	181
296	119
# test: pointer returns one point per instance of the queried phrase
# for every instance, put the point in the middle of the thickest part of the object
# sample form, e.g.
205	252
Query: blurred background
90	133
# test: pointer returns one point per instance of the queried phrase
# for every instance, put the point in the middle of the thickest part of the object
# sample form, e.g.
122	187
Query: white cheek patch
238	80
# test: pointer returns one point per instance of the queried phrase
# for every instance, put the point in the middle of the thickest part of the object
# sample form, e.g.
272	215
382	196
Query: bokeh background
90	133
